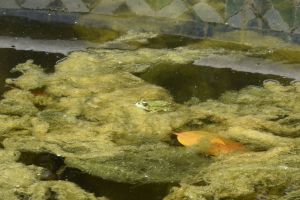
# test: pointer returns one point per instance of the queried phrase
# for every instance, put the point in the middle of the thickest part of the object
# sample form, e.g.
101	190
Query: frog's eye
144	103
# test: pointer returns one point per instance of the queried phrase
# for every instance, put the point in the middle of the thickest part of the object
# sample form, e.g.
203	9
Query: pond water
145	116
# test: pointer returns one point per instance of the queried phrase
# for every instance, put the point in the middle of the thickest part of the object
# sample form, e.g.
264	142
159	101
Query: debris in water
209	143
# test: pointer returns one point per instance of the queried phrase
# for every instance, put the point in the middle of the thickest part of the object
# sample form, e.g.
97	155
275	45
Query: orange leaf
209	143
189	138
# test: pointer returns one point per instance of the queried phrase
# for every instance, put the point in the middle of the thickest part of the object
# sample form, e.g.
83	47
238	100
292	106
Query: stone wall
281	16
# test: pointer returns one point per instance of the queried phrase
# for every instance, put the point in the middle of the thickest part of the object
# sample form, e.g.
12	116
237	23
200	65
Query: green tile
9	4
286	9
75	5
296	23
191	2
56	5
218	5
275	20
107	7
158	4
207	13
233	7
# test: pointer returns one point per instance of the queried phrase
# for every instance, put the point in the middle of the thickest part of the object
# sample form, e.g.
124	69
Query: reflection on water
117	191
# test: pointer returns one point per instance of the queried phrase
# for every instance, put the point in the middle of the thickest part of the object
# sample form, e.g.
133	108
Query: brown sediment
39	92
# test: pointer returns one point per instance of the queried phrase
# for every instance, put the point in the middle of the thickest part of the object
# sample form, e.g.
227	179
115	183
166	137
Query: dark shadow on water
9	58
1	145
169	41
56	170
51	30
114	190
22	27
45	160
184	81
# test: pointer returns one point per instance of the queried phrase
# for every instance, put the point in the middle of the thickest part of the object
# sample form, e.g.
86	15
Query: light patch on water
251	64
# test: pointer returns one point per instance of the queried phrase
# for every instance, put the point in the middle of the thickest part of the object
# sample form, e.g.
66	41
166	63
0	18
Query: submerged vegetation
107	122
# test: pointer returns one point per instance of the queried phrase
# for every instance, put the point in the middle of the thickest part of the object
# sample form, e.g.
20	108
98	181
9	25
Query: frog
154	106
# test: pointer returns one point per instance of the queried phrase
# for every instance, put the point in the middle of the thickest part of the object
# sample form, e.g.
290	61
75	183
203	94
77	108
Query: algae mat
89	112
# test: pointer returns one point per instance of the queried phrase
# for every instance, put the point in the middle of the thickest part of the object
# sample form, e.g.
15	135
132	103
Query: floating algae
268	175
23	182
264	119
143	165
86	113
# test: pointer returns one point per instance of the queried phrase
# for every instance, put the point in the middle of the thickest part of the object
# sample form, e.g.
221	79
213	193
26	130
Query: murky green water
186	81
100	123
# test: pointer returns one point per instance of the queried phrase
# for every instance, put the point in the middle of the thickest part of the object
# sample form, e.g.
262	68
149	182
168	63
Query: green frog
154	106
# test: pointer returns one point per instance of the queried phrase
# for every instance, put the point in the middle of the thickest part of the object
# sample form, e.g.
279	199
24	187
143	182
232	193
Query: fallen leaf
209	143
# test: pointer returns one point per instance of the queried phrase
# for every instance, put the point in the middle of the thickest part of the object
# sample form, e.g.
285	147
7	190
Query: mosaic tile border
275	15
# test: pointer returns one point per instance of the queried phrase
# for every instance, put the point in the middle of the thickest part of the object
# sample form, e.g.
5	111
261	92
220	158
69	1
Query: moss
288	55
266	174
29	71
144	164
263	120
18	181
252	39
219	44
261	109
15	177
94	34
59	190
12	123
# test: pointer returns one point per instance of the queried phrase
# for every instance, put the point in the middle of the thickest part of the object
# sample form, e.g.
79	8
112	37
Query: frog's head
142	104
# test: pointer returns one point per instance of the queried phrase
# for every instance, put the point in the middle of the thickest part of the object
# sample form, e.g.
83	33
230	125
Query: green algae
14	176
260	108
263	120
254	44
286	54
248	176
95	35
23	182
60	190
86	112
156	163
